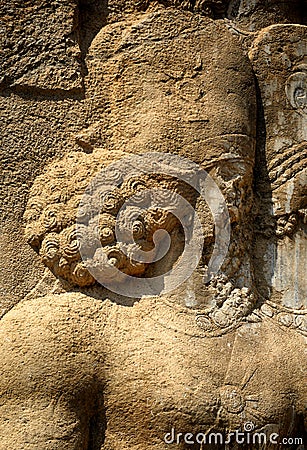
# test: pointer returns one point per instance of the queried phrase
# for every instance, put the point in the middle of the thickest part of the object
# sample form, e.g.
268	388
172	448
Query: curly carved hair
58	202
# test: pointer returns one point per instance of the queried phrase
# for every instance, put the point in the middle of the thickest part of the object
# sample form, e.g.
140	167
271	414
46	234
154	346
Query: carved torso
155	370
204	383
83	368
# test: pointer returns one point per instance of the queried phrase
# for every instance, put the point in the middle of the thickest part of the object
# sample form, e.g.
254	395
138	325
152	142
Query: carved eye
136	187
130	224
138	229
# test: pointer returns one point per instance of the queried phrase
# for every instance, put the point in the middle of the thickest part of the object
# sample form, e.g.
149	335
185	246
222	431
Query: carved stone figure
87	367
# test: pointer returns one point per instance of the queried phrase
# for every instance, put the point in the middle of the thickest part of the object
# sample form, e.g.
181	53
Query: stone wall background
41	110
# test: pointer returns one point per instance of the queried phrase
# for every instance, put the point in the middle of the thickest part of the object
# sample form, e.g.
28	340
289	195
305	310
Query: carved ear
296	90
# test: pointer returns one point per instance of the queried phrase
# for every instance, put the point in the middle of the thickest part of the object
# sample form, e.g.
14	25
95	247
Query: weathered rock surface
83	84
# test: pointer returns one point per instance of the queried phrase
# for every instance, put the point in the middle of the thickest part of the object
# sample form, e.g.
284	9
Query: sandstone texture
153	223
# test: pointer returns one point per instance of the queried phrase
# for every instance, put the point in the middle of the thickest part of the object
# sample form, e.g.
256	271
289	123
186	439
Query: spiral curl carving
60	198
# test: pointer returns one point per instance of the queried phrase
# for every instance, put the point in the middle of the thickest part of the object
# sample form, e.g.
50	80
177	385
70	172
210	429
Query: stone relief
57	201
86	368
282	92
